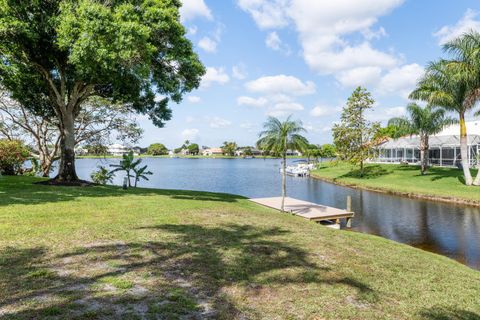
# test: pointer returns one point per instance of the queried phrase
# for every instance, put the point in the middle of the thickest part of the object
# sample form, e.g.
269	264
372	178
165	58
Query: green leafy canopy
132	51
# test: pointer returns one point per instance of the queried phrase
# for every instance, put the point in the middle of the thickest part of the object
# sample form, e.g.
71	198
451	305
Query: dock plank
305	209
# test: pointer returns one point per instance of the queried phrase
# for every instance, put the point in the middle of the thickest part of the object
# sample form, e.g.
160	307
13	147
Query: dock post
349	209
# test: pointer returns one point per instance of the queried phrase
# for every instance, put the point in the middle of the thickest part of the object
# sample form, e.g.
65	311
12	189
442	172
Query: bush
102	176
13	154
157	149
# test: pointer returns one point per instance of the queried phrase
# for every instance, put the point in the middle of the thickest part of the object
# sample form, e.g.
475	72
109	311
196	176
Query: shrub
102	176
13	154
157	149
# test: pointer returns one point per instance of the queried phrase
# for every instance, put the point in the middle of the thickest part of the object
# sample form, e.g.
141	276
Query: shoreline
450	200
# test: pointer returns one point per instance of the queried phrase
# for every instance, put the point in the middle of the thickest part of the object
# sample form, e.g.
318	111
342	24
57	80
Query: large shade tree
423	121
277	138
97	123
54	55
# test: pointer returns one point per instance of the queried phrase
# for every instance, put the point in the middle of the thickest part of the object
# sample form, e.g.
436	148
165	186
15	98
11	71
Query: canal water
447	229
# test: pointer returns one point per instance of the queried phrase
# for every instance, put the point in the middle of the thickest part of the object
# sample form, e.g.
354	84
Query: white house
294	153
117	149
212	152
444	147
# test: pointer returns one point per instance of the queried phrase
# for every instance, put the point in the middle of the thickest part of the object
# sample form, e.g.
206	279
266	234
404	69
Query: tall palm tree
466	66
442	86
423	122
278	137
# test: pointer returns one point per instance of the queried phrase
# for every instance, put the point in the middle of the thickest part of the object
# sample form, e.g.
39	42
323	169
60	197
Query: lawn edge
423	196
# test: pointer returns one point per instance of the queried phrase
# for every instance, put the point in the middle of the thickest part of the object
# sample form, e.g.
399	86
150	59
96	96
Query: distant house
212	152
117	149
254	152
295	153
185	152
139	150
444	147
79	151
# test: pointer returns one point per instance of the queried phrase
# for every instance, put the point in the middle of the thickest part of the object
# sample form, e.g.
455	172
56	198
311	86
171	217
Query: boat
301	169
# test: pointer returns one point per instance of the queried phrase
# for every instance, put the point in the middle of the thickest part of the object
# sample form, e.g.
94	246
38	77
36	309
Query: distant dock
309	210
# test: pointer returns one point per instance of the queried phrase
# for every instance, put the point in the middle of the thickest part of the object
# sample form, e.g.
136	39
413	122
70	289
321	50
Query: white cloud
208	44
266	13
363	76
239	71
273	41
194	8
401	80
192	30
322	110
254	102
281	84
190	134
218	123
466	23
214	75
324	31
194	99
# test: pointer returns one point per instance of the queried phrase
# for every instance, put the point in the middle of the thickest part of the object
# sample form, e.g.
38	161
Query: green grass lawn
446	183
106	253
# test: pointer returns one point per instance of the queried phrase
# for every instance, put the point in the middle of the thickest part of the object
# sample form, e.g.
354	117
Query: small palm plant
277	138
424	122
130	165
141	173
102	176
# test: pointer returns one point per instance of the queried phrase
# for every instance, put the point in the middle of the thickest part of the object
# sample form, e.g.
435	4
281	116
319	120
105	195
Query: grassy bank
102	252
444	184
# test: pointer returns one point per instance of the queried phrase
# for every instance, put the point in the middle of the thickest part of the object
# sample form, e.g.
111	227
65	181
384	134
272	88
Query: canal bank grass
103	252
445	184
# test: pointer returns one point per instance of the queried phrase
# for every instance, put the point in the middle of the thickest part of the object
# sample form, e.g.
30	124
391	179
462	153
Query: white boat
299	170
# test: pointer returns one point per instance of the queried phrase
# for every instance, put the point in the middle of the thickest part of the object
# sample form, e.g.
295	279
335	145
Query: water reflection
451	230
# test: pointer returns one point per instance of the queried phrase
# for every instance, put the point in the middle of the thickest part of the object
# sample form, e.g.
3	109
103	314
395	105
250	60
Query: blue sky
304	57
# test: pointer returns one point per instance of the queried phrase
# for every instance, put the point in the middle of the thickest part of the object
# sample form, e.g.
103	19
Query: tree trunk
361	168
477	179
424	154
67	171
284	181
464	151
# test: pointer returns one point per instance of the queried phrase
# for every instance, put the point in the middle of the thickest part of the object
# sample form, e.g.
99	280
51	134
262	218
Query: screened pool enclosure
444	148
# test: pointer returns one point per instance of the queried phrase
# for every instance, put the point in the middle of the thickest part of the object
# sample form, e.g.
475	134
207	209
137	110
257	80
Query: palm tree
442	86
278	137
141	173
424	122
466	66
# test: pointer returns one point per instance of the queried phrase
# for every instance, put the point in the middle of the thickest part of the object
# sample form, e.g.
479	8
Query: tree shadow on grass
184	275
21	190
369	172
441	313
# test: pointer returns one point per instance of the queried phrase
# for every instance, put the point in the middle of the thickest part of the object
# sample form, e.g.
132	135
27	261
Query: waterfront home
444	147
212	152
254	152
295	153
117	149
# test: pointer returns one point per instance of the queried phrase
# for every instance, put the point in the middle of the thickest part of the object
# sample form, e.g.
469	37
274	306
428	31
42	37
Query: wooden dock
308	210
